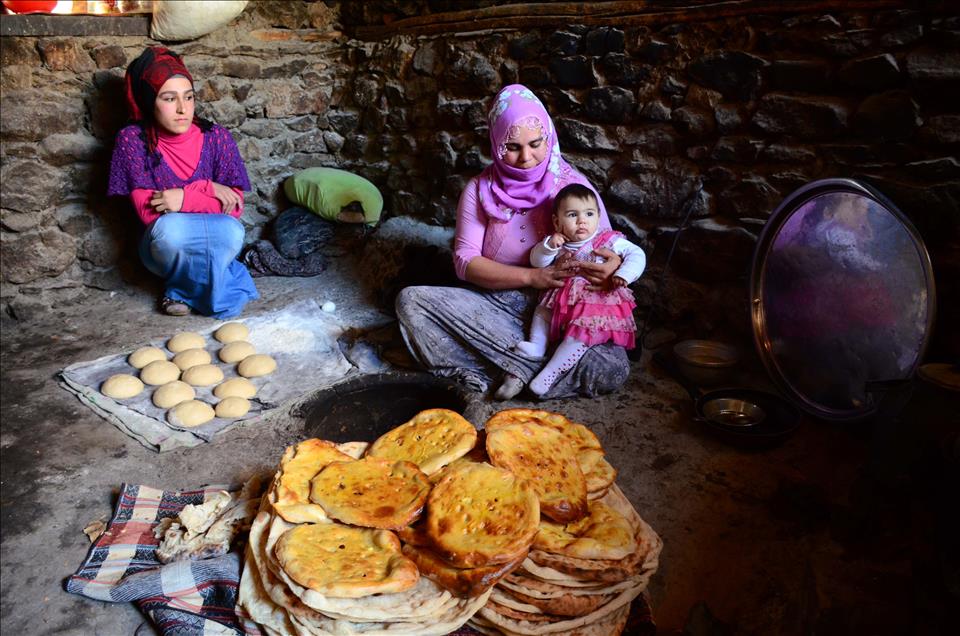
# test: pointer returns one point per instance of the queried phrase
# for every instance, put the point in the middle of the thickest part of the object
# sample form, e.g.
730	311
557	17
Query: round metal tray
842	294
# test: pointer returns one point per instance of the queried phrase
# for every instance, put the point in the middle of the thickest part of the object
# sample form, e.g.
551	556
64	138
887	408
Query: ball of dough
236	387
203	375
236	351
231	332
160	372
186	340
191	358
121	386
232	407
190	413
173	393
144	356
257	365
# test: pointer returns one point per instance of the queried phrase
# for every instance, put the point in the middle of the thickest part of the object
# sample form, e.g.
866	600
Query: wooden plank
55	25
613	13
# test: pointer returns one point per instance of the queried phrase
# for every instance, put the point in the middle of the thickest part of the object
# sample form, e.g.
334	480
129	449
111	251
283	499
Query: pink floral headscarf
505	189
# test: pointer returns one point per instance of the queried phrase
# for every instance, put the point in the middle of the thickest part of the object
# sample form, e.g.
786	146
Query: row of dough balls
191	366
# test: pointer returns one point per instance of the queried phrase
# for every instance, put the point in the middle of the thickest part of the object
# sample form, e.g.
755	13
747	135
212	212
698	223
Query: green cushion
326	190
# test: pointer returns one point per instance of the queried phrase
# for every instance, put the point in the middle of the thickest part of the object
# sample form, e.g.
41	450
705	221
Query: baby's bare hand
557	240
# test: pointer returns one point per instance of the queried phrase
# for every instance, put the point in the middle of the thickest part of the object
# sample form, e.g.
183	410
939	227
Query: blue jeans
195	255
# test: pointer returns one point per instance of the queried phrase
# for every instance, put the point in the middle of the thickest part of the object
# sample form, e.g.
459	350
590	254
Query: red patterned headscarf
145	76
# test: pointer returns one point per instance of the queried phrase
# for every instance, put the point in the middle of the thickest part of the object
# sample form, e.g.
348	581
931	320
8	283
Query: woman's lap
196	254
175	234
452	329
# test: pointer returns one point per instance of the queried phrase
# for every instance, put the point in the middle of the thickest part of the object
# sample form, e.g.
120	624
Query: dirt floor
797	539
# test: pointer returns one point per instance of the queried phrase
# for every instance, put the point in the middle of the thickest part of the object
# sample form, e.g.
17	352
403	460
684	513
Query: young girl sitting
577	314
185	178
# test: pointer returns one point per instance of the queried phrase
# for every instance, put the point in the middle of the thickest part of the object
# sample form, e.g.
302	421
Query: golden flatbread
595	623
253	598
345	562
600	477
431	440
297	467
639	564
557	609
545	458
463	582
415	535
585	443
611	624
423	600
481	515
533	587
371	492
566	605
603	534
520	615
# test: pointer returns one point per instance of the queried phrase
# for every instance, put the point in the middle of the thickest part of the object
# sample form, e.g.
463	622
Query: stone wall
730	115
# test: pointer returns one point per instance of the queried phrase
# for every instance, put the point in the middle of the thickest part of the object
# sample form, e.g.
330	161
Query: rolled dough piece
236	351
191	358
231	332
122	386
173	393
186	340
160	372
203	375
144	356
191	413
236	387
256	365
232	407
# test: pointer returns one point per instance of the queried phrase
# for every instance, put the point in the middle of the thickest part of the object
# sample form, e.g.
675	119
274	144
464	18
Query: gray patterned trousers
468	334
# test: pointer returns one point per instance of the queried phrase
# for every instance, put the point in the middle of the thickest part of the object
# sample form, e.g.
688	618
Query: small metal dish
753	419
733	412
706	362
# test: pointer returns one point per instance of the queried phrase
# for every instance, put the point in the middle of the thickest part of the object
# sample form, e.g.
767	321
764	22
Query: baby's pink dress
592	317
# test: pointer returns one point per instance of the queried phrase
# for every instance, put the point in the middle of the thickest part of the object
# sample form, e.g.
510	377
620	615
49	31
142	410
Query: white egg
329	306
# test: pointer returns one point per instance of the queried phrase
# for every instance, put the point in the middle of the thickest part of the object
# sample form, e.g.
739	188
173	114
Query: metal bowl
706	362
733	412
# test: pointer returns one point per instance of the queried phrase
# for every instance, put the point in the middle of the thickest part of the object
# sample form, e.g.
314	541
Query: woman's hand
165	201
229	200
547	277
553	275
598	274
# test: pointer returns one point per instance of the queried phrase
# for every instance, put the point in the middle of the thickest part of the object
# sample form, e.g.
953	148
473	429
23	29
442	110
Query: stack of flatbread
425	529
325	555
592	555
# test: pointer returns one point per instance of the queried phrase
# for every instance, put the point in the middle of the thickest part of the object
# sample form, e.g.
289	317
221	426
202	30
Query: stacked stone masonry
730	115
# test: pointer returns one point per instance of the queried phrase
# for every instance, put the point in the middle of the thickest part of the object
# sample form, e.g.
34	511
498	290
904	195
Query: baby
576	314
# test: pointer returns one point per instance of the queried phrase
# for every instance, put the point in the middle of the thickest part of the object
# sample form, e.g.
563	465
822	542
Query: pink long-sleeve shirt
182	154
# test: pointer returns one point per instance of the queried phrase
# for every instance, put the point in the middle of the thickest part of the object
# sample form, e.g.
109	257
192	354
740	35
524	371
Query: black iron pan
745	417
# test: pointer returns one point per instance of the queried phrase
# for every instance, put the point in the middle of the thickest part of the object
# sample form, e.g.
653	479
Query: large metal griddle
842	296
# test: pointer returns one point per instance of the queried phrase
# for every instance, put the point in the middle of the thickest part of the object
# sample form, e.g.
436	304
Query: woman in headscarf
469	333
185	179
